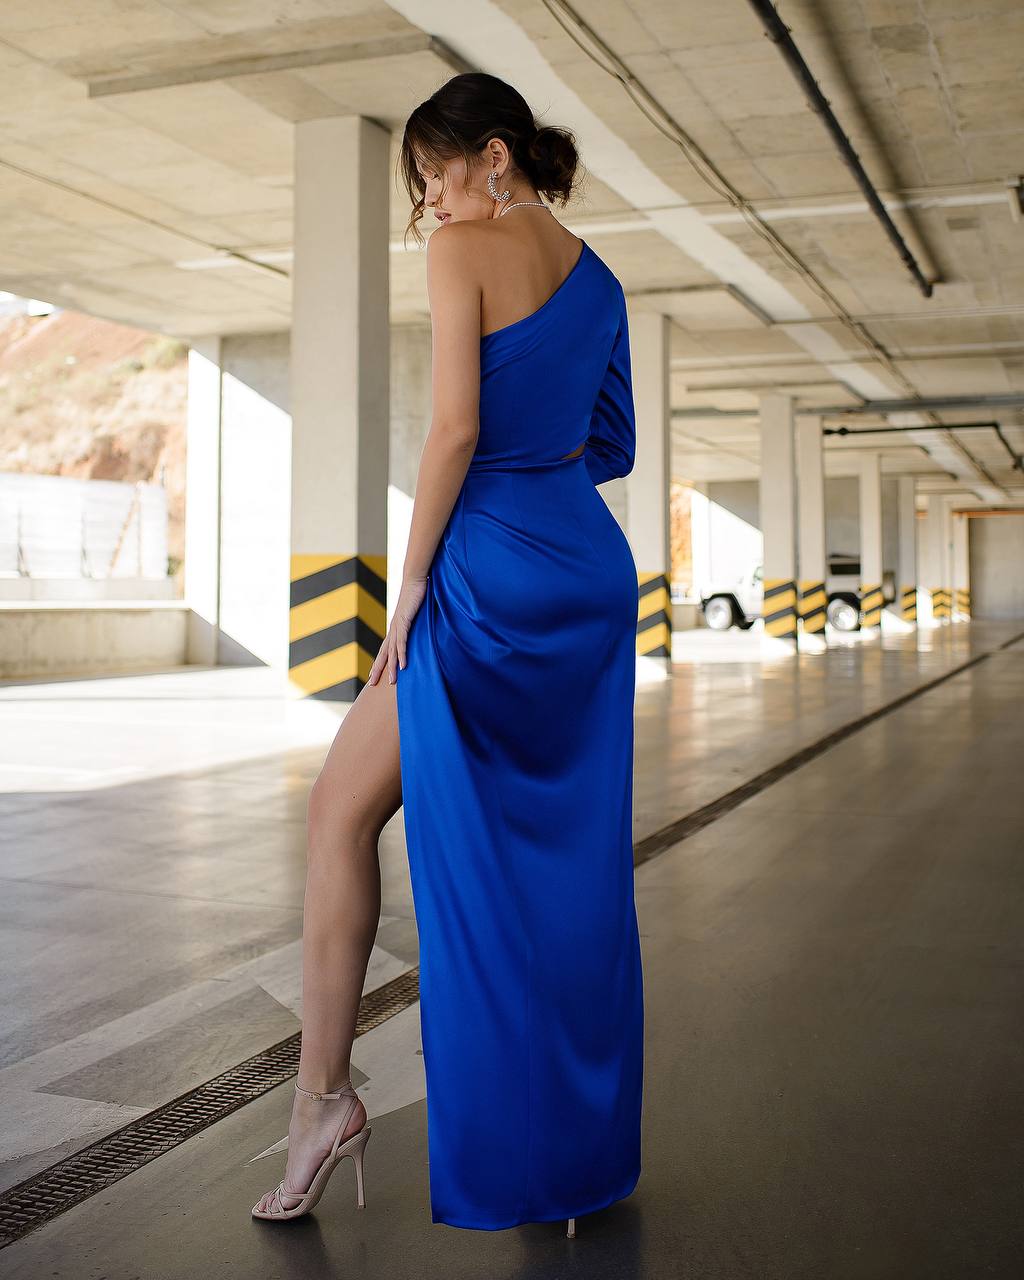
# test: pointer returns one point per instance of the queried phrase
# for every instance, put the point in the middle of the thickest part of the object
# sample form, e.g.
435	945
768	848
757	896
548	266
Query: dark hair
459	118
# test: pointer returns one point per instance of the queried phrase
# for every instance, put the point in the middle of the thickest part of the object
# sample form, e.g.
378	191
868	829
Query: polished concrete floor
833	971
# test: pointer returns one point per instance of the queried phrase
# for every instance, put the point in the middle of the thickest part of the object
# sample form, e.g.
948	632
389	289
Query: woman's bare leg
356	793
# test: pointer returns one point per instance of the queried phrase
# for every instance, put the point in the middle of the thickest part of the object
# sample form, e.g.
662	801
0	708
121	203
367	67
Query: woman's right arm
454	294
453	290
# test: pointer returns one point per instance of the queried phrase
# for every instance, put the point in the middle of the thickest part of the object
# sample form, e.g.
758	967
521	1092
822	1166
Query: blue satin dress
516	740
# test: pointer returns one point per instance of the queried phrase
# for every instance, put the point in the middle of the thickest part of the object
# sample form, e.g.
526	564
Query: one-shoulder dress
515	716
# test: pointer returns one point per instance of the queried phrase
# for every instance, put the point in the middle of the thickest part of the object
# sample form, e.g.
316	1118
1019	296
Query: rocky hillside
80	396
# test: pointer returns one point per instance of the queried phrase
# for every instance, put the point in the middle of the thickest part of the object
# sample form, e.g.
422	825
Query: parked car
741	603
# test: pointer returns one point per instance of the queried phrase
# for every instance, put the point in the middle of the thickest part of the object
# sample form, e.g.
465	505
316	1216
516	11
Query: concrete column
648	484
945	535
811	554
933	557
202	498
340	409
961	580
778	516
255	499
870	540
906	574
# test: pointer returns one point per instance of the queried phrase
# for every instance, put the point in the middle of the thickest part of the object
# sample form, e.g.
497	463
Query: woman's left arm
453	290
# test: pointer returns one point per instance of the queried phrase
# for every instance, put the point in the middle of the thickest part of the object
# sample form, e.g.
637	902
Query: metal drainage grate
45	1195
49	1193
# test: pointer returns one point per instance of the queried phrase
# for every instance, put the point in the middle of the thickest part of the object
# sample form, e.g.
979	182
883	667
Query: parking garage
817	219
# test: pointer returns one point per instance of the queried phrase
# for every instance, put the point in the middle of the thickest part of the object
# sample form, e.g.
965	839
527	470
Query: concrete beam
228	68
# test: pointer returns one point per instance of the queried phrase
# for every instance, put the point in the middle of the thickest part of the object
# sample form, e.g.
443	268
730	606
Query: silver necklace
519	203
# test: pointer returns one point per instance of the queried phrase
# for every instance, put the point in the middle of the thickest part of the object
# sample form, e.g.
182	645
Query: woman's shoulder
451	244
454	264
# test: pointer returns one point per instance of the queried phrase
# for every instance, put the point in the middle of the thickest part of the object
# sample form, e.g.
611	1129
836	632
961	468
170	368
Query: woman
506	720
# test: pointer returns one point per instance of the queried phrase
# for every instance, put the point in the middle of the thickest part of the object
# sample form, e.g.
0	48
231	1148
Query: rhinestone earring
492	187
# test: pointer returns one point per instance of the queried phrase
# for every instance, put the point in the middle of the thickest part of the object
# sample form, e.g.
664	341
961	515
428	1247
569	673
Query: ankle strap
335	1093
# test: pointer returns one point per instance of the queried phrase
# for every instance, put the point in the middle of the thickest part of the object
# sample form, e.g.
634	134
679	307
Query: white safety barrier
65	527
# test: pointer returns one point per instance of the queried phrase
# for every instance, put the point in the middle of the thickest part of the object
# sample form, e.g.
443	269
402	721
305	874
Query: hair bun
551	161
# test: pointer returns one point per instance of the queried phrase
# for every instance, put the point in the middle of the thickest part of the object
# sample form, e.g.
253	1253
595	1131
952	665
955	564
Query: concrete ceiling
146	175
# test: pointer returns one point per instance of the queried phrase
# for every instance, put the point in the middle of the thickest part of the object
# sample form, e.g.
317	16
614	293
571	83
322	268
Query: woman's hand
392	651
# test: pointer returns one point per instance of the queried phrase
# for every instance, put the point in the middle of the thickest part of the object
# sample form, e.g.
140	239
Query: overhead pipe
1010	400
710	411
921	404
975	512
778	33
1015	458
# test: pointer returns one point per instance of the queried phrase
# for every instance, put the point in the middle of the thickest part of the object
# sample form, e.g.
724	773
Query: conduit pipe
1018	462
777	31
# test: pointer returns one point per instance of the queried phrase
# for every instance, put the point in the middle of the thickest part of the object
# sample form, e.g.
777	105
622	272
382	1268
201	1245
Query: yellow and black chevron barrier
780	608
654	616
963	602
337	622
871	605
941	601
908	603
813	603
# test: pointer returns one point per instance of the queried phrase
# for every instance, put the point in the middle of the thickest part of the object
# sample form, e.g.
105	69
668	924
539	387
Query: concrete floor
832	975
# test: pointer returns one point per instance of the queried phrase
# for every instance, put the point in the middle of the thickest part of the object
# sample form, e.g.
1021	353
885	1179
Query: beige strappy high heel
353	1146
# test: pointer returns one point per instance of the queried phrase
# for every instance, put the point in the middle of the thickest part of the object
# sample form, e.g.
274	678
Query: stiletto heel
357	1160
353	1146
571	1231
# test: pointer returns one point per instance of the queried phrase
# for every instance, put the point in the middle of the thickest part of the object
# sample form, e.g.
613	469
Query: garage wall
997	566
842	515
741	498
842	518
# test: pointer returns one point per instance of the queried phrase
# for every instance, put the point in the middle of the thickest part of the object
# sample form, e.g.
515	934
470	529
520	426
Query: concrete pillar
340	410
811	554
933	557
648	484
202	498
778	522
906	569
945	535
237	501
255	499
870	540
961	580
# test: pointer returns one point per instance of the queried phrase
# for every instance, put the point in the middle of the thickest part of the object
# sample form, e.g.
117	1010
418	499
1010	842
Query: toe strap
278	1191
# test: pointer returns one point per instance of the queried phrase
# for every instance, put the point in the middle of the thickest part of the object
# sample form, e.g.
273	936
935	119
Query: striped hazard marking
941	602
337	621
780	608
871	605
654	617
813	603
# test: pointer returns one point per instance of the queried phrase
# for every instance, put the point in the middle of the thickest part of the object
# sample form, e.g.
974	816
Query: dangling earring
492	187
